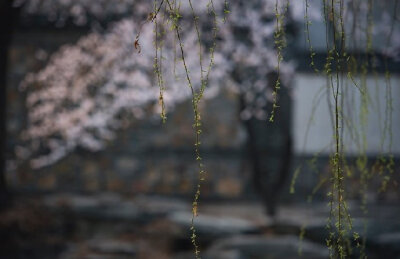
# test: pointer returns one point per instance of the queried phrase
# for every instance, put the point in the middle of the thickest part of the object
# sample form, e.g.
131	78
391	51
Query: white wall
310	90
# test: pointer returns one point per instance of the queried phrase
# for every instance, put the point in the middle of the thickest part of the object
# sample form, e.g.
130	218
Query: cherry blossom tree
79	94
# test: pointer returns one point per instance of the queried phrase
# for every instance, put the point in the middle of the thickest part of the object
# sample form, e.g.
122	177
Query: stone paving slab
259	246
226	230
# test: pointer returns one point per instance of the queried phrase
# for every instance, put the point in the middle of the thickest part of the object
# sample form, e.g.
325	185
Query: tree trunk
269	180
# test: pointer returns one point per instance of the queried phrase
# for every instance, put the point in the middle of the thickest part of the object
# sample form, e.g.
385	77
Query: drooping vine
307	24
172	7
339	63
280	44
159	58
389	105
337	241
